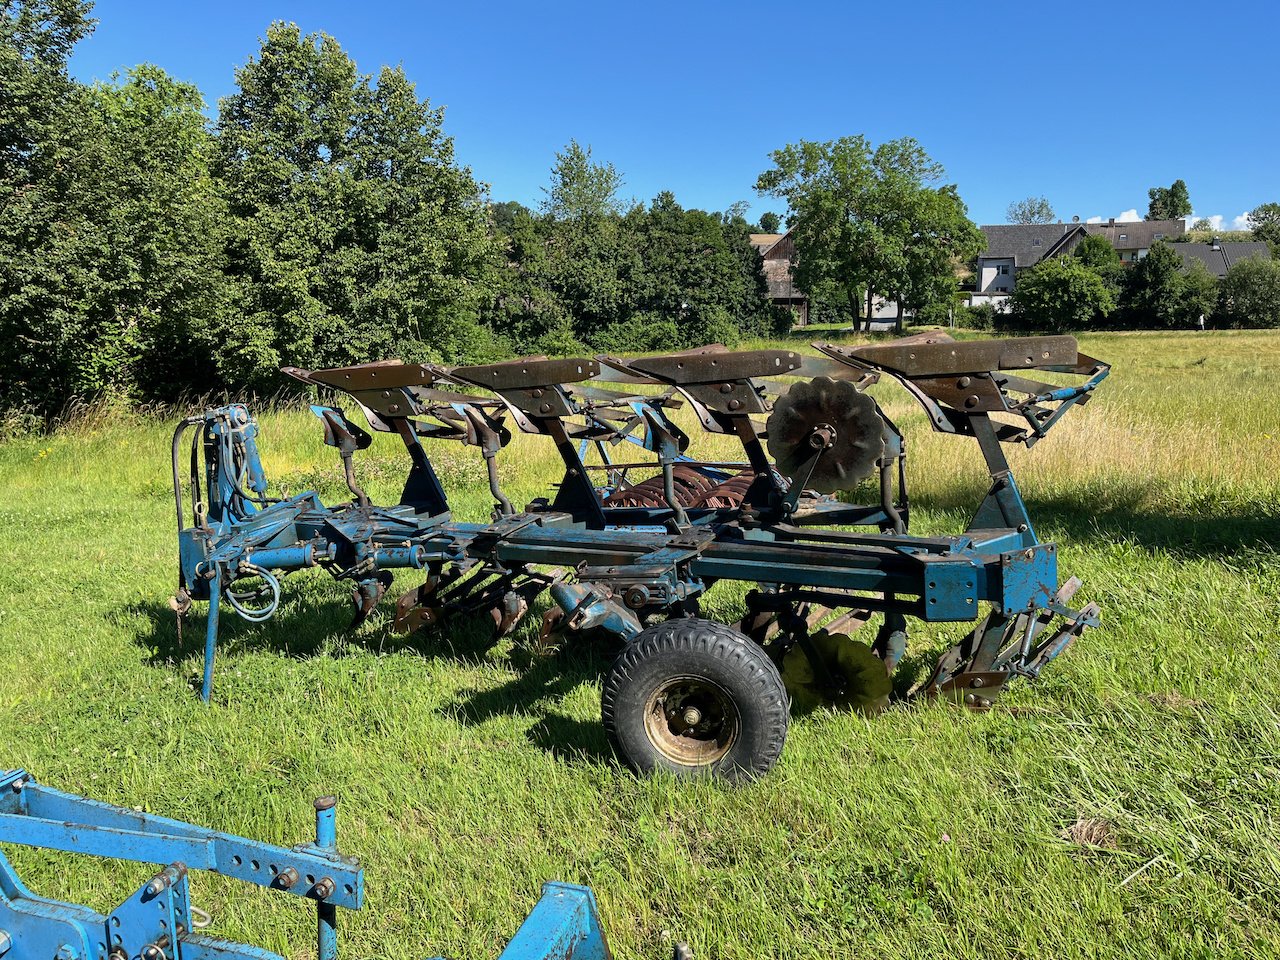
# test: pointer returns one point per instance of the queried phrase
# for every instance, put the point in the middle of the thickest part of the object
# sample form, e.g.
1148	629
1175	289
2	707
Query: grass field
1127	804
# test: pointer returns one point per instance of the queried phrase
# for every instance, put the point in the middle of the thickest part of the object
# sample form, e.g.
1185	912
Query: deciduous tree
1031	210
870	218
1169	203
356	235
1264	221
1060	294
1249	295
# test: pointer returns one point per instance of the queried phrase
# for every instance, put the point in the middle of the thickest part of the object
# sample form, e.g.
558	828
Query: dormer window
1159	236
1124	236
1036	242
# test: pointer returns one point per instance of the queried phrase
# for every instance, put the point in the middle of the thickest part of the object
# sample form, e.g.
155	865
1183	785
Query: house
777	250
1132	239
1012	247
1218	256
1016	246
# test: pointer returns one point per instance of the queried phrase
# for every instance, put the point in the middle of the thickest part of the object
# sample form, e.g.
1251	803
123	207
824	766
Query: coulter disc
819	411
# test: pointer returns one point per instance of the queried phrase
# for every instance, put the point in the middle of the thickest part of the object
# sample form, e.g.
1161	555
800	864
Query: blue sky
1089	104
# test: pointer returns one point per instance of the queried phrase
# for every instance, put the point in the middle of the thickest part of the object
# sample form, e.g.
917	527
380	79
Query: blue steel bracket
154	923
565	925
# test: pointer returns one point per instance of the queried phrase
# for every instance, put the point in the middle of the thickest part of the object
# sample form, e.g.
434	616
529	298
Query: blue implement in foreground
157	921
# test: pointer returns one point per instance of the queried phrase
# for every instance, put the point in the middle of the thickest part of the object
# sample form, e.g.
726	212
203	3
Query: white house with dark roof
1012	247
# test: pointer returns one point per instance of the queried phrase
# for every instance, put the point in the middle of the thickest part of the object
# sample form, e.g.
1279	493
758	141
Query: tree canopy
871	219
1264	221
1060	294
1031	210
1169	203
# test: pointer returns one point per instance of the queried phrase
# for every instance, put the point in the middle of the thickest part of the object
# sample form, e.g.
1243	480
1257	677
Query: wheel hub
691	721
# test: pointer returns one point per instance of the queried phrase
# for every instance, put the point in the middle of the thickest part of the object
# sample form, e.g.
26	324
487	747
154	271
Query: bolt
325	803
386	394
977	682
324	888
18	785
537	393
287	878
970	699
734	404
393	408
692	716
964	382
971	401
545	408
156	886
726	388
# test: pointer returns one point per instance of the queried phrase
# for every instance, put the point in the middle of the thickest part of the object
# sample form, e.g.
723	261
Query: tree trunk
898	325
871	310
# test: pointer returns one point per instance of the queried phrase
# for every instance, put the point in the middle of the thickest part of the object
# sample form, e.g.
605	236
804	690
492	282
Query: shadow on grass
1210	527
299	634
542	681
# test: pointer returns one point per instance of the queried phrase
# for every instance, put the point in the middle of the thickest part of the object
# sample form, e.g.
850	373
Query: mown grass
468	775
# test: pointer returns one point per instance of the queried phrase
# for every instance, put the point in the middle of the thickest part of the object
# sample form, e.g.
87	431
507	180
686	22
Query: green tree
770	222
1169	203
1264	221
1202	225
1249	295
1031	210
355	234
870	219
580	188
110	236
1096	252
1153	289
1060	294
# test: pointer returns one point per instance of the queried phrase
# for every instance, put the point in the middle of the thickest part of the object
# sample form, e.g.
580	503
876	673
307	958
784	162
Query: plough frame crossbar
648	550
157	922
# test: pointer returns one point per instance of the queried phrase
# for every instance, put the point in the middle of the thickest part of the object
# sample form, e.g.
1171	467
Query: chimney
1111	222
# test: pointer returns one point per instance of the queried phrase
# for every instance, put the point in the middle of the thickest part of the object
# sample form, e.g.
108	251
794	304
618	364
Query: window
1159	236
1004	269
1124	236
1035	242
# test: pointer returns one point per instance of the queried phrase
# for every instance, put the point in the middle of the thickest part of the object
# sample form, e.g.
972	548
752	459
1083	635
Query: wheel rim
691	721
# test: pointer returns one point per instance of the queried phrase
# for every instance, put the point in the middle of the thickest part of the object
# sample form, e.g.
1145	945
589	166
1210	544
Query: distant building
1012	247
1132	240
778	251
1217	256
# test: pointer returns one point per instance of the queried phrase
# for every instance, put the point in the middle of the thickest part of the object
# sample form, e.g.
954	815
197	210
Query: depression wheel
695	697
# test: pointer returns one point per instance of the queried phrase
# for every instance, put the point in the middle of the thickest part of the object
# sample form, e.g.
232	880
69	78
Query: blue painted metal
565	923
153	923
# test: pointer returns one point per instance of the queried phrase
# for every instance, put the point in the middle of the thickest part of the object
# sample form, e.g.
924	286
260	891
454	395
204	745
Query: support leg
211	636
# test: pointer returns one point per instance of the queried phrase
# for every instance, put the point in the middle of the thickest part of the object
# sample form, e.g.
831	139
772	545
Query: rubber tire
691	646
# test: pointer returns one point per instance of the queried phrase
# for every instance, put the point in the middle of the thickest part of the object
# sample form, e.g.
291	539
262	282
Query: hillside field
1126	804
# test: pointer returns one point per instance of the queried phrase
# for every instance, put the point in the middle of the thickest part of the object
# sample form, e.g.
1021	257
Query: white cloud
1242	222
1128	216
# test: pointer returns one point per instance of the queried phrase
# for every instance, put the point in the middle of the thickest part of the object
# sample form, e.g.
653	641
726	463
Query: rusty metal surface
369	376
522	374
931	358
717	366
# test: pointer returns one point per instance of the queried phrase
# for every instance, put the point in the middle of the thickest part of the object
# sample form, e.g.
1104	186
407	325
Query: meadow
1125	804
